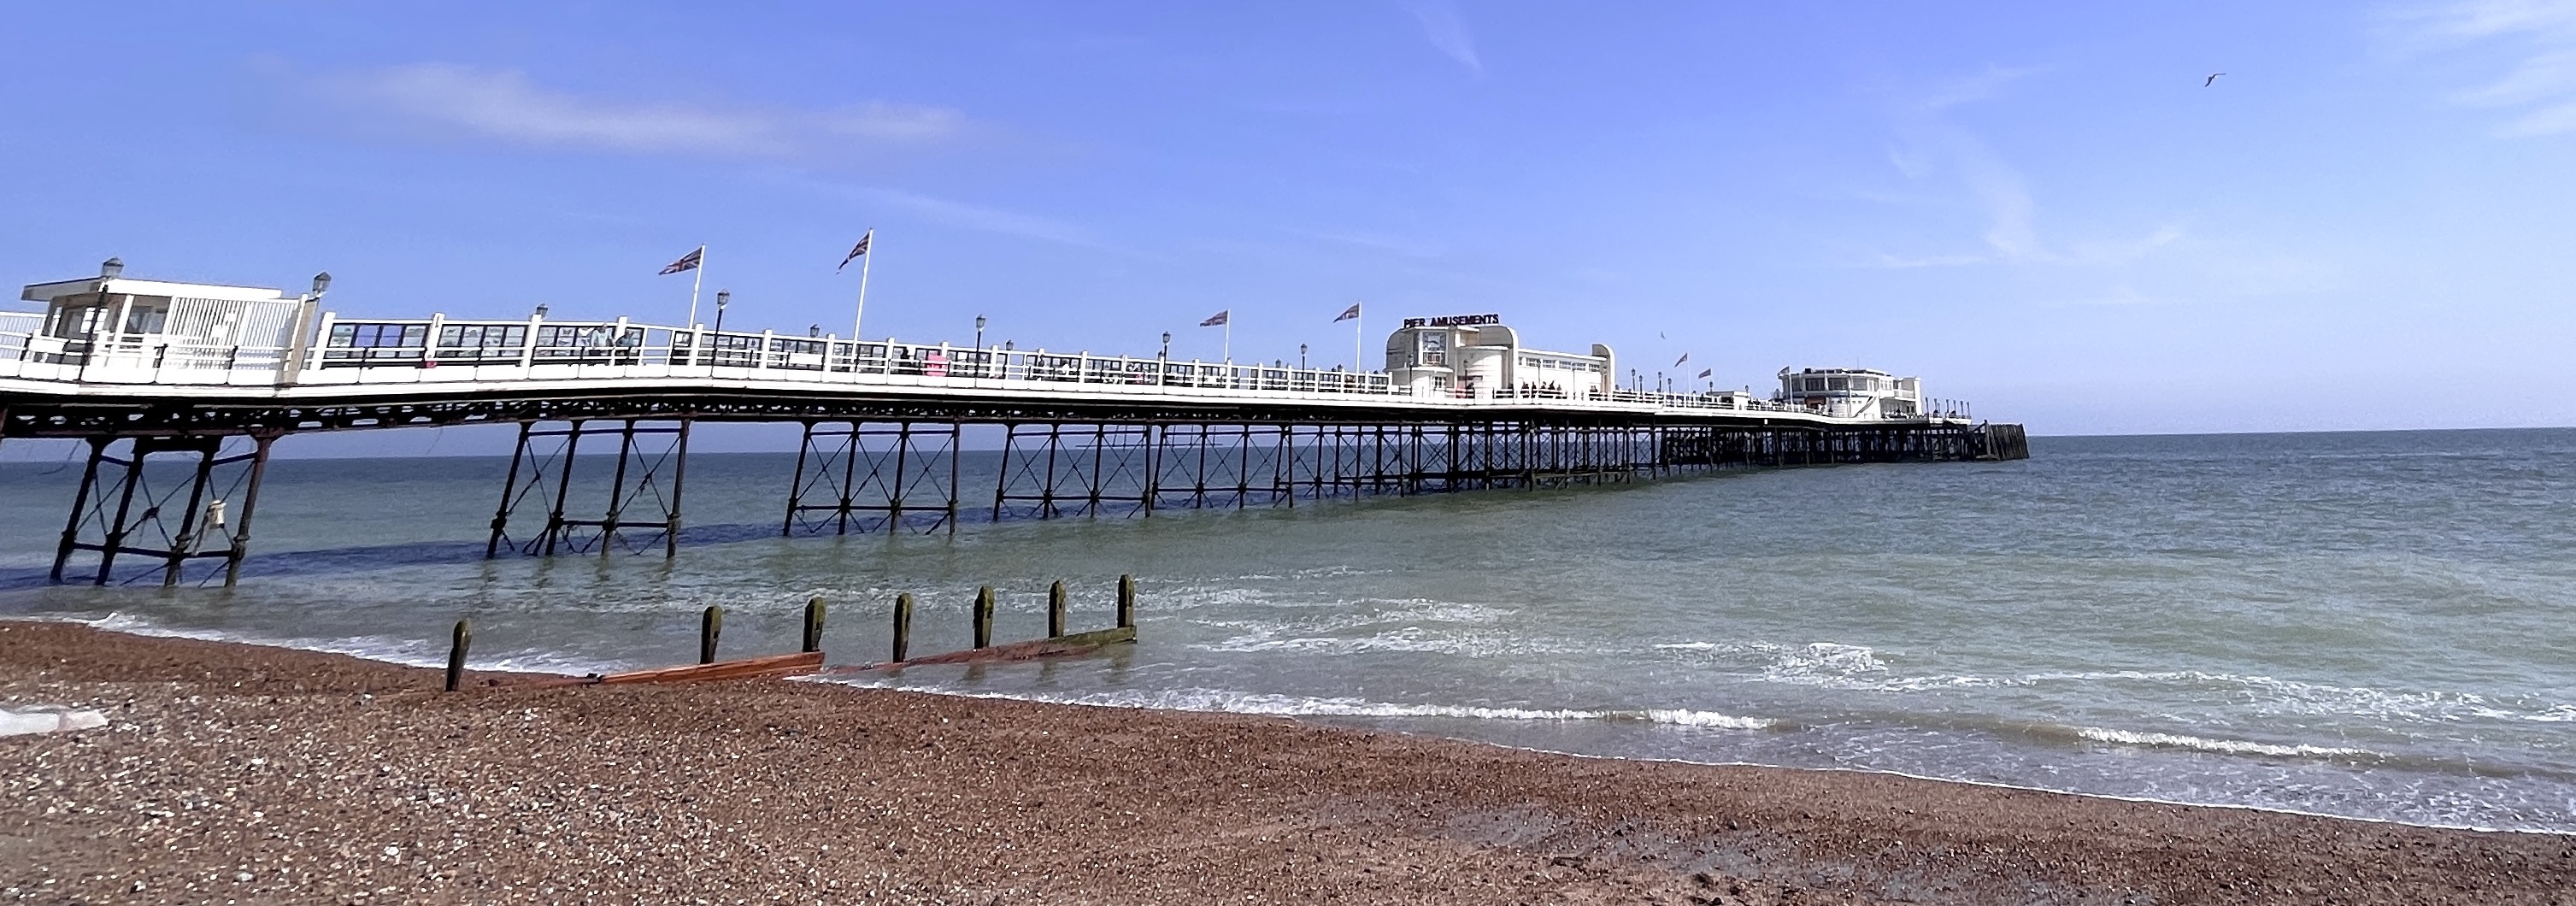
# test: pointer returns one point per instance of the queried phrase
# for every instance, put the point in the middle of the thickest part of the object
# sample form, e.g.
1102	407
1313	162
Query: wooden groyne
810	659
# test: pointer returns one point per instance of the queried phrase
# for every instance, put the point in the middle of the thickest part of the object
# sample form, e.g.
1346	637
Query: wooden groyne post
1126	601
710	626
464	639
902	626
814	624
984	617
1055	609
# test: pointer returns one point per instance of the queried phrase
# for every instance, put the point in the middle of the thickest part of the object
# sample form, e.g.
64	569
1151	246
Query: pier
181	391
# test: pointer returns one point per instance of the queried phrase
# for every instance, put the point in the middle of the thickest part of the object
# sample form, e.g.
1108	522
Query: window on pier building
482	336
374	336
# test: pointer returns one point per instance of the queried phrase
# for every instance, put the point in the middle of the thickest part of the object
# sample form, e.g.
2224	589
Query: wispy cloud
987	219
1936	150
496	105
2538	35
1447	31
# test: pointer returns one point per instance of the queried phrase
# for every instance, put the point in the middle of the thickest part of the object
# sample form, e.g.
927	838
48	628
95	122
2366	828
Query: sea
2371	625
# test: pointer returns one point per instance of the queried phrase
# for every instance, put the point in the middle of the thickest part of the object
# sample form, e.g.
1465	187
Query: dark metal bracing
638	499
865	476
129	506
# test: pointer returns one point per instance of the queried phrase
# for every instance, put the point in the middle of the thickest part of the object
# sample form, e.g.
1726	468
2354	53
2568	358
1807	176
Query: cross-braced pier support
642	488
1052	470
870	475
164	501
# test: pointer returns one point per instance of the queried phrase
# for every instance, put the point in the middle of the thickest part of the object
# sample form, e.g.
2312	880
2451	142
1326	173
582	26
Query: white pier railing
376	352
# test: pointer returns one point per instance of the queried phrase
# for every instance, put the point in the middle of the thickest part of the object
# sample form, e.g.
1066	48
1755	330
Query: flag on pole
1348	313
1678	362
856	251
1705	372
1216	320
688	262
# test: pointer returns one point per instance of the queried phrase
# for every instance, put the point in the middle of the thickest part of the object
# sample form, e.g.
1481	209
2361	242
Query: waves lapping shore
268	775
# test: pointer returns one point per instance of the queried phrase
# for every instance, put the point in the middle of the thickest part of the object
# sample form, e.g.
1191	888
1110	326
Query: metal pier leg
679	484
852	447
1092	480
186	541
509	489
80	502
124	506
796	484
956	466
902	463
617	488
1002	479
240	549
1242	465
563	490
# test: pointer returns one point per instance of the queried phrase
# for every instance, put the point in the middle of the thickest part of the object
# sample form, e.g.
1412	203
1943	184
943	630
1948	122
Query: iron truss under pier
178	442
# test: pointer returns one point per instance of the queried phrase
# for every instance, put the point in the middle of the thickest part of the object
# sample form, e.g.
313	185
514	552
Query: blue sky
2368	222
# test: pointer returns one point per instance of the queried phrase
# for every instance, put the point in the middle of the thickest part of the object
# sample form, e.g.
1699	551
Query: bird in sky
2212	80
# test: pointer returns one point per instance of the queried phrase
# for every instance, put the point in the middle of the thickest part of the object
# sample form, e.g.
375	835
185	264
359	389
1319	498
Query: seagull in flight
2212	80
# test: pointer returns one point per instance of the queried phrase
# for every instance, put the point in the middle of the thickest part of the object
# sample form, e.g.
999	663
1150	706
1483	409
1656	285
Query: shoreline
283	775
1361	723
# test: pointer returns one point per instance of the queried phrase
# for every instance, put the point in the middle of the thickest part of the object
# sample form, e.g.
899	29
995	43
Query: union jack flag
856	251
1348	313
688	262
1216	320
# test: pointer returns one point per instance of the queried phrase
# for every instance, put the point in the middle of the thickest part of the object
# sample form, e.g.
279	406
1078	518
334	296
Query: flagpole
1229	337
1359	334
864	261
697	279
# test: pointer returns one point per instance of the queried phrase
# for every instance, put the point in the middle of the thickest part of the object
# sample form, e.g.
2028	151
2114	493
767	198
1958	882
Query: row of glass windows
1818	383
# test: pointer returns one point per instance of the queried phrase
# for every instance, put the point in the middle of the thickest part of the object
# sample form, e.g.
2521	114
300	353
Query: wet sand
234	773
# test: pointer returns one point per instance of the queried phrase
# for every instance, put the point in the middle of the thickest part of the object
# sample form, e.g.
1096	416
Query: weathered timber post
464	639
1055	609
902	625
814	624
984	617
710	626
1126	601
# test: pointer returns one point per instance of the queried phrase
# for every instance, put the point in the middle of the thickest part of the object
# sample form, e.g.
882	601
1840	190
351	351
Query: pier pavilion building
1478	357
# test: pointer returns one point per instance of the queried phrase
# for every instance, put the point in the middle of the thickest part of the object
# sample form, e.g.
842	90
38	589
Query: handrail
382	351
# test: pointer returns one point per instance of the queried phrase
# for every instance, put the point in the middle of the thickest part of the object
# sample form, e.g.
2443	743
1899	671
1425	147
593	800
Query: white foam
1230	702
2205	744
387	649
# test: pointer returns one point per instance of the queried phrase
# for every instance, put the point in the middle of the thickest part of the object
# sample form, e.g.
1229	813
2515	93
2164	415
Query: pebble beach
237	773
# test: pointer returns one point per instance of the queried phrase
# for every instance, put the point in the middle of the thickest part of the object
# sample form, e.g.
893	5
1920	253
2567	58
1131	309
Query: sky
2047	209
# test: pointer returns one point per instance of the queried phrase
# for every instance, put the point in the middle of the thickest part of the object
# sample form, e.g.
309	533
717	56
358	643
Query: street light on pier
1167	346
724	297
1301	356
979	345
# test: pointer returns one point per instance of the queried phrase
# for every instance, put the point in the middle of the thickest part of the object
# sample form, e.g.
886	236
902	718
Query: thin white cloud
1936	150
1447	31
2538	35
1977	87
979	217
472	103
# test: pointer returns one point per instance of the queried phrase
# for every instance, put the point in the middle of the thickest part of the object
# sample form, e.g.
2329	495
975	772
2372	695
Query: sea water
2373	625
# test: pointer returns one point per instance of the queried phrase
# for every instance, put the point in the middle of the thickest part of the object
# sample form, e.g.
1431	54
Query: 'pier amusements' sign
1453	321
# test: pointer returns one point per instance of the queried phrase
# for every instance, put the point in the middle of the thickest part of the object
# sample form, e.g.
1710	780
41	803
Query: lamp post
1167	346
979	345
724	297
1301	356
